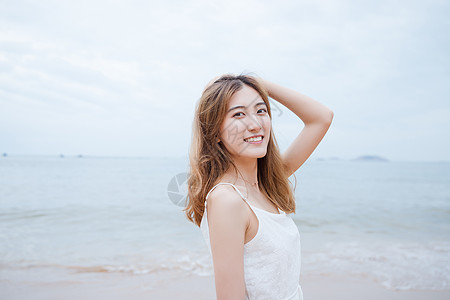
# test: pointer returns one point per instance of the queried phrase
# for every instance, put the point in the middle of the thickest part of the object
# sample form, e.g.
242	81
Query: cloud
79	72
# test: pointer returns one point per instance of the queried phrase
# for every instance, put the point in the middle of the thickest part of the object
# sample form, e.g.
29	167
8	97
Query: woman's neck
246	173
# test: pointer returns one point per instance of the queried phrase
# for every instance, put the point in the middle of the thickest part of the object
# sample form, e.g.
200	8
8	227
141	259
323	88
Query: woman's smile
255	139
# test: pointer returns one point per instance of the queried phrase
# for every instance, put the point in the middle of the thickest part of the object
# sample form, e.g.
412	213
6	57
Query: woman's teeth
255	139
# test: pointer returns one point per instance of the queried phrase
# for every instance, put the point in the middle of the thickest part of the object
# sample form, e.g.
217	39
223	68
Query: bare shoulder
225	201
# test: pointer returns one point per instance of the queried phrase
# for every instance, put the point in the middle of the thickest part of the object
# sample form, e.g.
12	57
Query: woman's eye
259	111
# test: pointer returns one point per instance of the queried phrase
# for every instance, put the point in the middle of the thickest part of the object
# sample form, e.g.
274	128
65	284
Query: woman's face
247	116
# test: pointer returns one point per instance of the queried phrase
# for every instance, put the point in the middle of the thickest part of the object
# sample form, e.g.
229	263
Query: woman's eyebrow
243	106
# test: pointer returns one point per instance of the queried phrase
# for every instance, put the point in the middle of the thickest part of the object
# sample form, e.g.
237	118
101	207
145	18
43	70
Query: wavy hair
209	160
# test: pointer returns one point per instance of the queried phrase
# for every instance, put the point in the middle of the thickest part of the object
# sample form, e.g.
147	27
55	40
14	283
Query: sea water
75	218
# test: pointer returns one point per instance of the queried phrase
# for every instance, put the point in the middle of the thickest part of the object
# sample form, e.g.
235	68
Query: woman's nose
253	123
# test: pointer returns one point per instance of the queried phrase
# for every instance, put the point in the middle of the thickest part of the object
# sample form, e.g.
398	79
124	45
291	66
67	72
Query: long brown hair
209	160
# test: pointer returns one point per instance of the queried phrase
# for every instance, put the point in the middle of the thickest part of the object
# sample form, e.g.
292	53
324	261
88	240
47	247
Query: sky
121	78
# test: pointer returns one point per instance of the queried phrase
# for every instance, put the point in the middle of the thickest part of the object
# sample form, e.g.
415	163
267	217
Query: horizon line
330	158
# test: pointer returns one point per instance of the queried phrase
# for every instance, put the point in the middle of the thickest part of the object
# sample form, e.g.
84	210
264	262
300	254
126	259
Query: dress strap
228	184
280	212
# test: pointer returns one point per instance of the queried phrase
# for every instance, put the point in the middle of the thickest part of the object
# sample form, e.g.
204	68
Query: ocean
65	219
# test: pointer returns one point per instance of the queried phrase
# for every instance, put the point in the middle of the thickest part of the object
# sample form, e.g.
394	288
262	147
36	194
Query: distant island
370	158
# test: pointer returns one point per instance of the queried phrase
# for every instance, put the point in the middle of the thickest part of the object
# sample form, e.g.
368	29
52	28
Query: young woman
239	192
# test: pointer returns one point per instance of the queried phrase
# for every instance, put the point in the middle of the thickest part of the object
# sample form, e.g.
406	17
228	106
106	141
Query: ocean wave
397	266
200	265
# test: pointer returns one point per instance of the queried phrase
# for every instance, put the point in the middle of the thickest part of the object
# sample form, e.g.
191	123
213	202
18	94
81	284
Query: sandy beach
176	286
314	288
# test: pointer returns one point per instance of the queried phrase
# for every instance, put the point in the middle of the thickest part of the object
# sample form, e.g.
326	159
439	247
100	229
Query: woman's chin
252	153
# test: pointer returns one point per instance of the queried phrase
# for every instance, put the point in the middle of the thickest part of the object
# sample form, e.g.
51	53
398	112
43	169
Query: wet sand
175	286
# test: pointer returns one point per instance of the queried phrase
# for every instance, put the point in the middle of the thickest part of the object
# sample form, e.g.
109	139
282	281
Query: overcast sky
121	78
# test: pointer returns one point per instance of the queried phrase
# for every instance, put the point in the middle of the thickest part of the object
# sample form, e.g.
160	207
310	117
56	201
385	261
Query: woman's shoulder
224	196
226	209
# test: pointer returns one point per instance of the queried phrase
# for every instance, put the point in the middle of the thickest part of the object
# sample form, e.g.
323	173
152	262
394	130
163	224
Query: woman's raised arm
316	117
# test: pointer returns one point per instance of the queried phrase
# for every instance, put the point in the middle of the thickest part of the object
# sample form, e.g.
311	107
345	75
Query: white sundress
272	259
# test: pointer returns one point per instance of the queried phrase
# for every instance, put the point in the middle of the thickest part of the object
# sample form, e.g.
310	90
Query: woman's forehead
246	96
